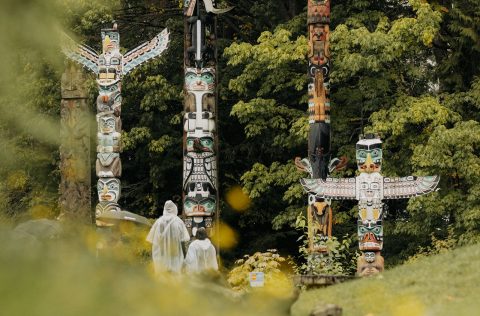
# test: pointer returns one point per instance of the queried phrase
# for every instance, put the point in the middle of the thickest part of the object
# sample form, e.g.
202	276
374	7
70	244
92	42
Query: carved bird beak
370	166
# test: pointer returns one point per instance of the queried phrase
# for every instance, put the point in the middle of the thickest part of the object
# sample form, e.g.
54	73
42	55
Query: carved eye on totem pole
369	154
108	189
200	144
115	61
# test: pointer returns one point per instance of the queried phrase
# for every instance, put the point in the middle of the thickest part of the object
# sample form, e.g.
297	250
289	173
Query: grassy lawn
446	284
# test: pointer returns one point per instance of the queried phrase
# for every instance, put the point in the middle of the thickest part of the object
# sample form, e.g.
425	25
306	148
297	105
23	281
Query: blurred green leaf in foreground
66	277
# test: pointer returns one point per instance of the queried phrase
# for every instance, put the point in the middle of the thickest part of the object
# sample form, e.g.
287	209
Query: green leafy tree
384	80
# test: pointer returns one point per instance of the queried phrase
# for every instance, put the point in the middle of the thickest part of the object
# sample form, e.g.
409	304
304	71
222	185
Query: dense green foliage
406	69
269	262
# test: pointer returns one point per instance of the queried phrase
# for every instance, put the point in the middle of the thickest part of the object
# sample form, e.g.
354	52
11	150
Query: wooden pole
75	166
318	23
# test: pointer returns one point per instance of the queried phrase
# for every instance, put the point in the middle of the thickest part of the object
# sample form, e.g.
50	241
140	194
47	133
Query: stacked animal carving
318	20
370	188
319	212
110	67
200	193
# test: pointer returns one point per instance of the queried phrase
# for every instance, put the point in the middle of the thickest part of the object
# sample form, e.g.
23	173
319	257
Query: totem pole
369	189
200	142
110	67
75	184
319	212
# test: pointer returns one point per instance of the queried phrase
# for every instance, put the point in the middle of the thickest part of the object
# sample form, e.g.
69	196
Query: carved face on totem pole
369	264
110	99
110	61
370	236
370	193
108	189
200	199
200	88
319	50
369	154
199	167
318	11
108	123
199	170
200	79
108	136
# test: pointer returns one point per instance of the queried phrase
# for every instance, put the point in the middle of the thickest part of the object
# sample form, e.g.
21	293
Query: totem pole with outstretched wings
370	188
110	67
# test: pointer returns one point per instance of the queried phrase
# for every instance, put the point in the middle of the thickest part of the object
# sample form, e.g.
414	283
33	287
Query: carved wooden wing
209	7
401	188
189	6
303	165
145	52
83	55
331	188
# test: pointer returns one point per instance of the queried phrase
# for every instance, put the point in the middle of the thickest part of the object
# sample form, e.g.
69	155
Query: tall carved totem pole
370	188
319	212
110	67
75	184
200	141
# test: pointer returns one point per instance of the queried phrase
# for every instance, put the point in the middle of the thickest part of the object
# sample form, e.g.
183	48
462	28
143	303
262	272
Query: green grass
446	284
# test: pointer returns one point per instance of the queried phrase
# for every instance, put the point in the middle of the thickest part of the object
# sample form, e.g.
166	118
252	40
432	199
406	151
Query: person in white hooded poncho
166	236
201	255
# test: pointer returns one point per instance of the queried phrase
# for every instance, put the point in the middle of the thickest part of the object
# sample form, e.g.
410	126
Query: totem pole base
322	280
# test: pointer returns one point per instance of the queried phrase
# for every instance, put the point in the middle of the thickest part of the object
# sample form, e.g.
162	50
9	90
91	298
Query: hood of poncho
204	244
170	208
